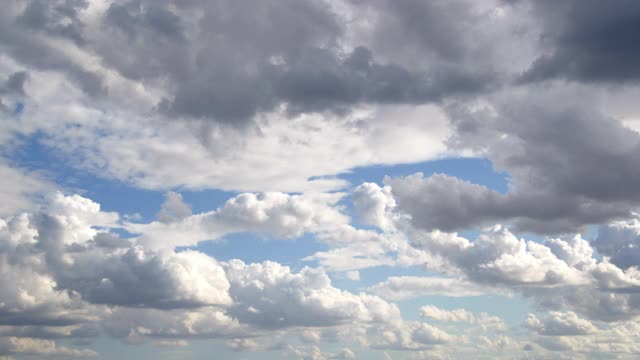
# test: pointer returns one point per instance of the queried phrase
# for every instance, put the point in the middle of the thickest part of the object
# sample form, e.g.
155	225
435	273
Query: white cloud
374	204
456	315
270	295
40	347
20	190
276	214
409	287
560	324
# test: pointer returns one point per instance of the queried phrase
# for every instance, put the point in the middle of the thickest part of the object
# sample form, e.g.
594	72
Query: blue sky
319	179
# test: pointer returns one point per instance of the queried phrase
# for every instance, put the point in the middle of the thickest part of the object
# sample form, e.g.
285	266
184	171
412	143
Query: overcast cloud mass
319	179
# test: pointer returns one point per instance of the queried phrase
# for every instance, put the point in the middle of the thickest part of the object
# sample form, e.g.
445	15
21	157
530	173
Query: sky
319	179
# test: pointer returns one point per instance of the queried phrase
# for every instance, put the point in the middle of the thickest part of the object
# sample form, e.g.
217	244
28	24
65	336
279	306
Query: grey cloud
319	80
35	52
132	17
15	83
621	242
59	17
13	86
444	202
173	208
591	41
229	65
360	79
439	27
569	166
587	301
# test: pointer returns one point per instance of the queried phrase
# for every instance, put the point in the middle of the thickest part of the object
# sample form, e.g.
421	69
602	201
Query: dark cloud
32	49
58	17
13	86
590	41
230	60
621	242
440	28
132	18
569	166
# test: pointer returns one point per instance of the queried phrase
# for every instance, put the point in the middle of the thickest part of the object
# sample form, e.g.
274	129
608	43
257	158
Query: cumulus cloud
558	183
276	214
69	266
558	273
595	47
269	295
559	324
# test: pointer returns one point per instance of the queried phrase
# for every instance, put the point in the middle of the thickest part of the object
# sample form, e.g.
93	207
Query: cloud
596	46
373	204
20	189
269	295
299	58
558	183
40	347
457	315
560	324
278	215
280	102
76	279
173	208
620	241
410	287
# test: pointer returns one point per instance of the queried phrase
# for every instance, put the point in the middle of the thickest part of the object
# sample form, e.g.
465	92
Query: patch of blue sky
112	195
252	248
476	170
510	308
18	108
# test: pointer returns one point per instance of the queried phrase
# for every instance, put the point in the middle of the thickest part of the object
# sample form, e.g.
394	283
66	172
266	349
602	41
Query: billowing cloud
559	180
276	214
558	324
596	46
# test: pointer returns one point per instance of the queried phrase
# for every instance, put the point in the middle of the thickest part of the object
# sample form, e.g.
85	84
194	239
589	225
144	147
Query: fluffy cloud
69	266
269	295
594	47
559	324
559	273
558	184
276	214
